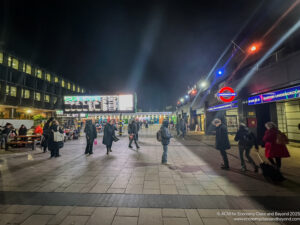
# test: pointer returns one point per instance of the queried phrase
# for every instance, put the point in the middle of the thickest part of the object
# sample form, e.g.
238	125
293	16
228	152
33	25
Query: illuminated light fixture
28	111
203	84
186	96
254	48
194	91
220	72
182	100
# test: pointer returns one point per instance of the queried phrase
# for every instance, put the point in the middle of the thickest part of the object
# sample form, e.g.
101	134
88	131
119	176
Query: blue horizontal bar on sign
230	105
289	93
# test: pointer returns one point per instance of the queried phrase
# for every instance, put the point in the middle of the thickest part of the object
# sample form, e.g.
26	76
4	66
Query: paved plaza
131	186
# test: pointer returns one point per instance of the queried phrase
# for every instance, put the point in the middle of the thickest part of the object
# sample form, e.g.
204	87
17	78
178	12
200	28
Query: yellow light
28	111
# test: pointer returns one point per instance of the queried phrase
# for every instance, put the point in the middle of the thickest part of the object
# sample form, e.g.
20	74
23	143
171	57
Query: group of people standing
274	141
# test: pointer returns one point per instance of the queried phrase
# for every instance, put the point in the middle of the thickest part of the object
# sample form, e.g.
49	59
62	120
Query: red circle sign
226	94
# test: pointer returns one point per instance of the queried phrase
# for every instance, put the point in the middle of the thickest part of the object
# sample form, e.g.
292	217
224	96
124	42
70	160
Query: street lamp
254	48
220	72
203	84
182	100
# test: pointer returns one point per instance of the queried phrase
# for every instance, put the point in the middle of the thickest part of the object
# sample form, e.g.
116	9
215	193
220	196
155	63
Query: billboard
99	103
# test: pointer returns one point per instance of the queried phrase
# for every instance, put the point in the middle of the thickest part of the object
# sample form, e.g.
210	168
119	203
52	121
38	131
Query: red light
194	92
254	48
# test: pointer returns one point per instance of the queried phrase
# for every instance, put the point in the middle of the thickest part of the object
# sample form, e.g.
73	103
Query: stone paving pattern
193	171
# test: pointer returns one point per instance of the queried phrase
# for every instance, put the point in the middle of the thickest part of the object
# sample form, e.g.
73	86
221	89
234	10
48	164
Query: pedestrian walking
275	145
165	140
108	135
182	125
133	133
46	134
222	141
56	139
246	140
91	134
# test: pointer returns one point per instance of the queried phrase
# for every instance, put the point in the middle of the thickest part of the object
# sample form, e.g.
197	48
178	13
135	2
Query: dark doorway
263	116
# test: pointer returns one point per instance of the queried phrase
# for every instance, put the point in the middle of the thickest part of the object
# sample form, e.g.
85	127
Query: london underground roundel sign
226	94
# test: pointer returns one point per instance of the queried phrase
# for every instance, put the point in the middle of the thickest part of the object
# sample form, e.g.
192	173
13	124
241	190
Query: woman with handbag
56	139
91	134
109	136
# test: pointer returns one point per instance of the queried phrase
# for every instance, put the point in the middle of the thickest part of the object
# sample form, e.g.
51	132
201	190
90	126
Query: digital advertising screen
99	103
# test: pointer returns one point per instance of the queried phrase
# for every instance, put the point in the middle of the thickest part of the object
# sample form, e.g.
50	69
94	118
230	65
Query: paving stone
75	220
59	217
16	209
102	216
6	218
209	212
100	188
168	189
49	210
26	214
128	212
118	220
175	221
82	211
37	220
193	217
116	190
215	221
150	217
173	213
151	191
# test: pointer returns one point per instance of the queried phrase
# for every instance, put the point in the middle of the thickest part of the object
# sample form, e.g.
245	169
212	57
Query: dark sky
156	48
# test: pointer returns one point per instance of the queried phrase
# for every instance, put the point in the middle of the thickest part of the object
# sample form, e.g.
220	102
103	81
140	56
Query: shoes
256	169
137	146
110	150
129	146
57	156
107	153
164	163
223	167
91	153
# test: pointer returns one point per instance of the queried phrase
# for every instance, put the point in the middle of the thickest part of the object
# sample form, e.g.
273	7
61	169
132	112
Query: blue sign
230	105
284	94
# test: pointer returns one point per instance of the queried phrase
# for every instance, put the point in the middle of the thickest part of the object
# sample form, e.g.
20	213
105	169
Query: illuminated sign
230	105
280	95
226	94
99	103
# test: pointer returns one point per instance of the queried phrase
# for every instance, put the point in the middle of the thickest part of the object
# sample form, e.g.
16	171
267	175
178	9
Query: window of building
11	90
69	86
48	77
1	57
47	98
37	96
74	87
25	93
7	90
28	69
15	64
62	83
56	79
78	89
82	90
9	61
54	100
38	73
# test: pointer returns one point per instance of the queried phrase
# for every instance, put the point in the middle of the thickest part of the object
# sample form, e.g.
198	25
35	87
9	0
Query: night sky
154	48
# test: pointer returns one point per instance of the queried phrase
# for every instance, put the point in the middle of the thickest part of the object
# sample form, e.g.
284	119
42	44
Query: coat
23	131
52	145
165	135
109	132
222	141
240	137
90	131
133	129
272	149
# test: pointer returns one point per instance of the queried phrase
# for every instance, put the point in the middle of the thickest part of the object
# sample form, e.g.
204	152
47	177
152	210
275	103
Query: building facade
26	89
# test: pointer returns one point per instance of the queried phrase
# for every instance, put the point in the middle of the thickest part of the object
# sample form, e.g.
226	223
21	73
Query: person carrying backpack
275	144
246	140
164	136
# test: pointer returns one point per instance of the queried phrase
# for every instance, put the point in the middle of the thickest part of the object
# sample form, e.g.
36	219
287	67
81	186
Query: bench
31	140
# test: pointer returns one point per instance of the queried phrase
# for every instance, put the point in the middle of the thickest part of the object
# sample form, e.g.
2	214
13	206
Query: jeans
133	139
247	150
225	158
164	158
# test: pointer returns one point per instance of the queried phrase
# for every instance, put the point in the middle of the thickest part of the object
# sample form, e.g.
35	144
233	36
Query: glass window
15	64
54	100
38	73
1	57
25	93
13	91
37	96
62	83
69	86
9	61
48	77
82	90
74	87
47	98
56	79
7	90
28	69
78	89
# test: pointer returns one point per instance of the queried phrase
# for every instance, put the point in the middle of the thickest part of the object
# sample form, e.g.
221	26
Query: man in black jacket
222	141
165	140
133	130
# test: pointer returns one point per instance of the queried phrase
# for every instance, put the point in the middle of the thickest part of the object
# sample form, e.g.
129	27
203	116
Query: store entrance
263	116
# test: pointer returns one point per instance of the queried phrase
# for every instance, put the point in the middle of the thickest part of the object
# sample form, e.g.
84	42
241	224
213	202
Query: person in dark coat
222	141
53	145
273	149
133	132
46	134
108	134
182	125
23	130
246	140
165	140
91	133
5	133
